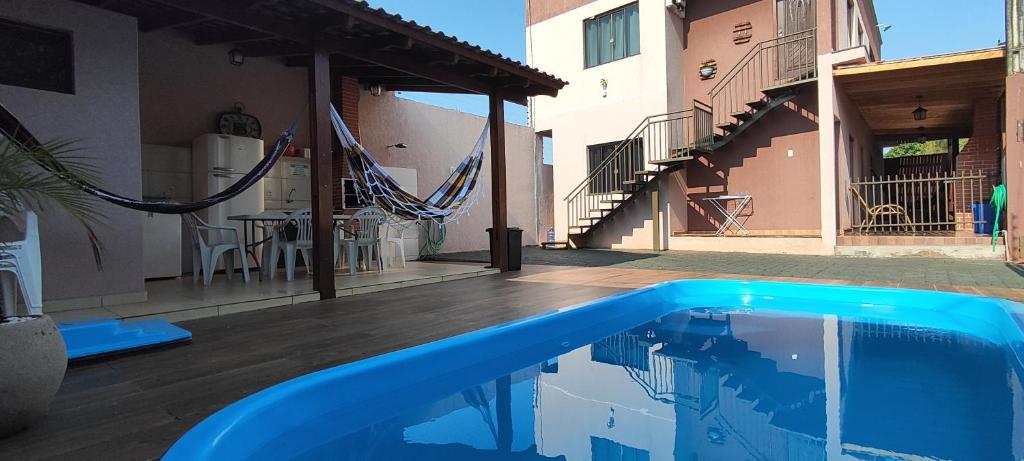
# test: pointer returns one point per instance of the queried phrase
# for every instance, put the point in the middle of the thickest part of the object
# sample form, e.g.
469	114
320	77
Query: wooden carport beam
321	177
499	192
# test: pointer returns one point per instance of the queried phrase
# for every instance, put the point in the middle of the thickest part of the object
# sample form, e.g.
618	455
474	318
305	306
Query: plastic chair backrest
192	223
370	220
303	221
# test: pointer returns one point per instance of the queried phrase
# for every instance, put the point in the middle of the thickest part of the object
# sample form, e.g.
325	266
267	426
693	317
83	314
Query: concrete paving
906	271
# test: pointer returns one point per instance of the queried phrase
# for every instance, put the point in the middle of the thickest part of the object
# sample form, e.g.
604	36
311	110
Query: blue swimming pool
687	370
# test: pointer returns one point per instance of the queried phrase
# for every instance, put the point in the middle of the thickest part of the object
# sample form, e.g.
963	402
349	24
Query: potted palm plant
32	354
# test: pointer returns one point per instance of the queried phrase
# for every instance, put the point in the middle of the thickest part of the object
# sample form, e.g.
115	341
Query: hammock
447	204
13	129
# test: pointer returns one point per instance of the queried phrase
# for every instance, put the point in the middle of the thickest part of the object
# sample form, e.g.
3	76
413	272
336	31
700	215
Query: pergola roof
887	92
369	44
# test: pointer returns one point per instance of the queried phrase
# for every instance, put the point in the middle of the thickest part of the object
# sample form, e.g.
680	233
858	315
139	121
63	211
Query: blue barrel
983	212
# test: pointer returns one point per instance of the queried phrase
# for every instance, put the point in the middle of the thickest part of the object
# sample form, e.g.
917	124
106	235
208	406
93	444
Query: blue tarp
107	336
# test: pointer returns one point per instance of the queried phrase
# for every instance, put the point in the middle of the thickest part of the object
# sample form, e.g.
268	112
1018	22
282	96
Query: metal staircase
768	76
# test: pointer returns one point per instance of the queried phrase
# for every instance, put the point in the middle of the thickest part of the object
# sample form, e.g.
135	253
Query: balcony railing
784	60
921	203
657	138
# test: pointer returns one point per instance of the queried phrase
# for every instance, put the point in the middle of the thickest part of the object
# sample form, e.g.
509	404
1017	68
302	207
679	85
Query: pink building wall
103	118
183	87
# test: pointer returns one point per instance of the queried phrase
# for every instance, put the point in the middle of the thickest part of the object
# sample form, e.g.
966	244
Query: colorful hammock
374	185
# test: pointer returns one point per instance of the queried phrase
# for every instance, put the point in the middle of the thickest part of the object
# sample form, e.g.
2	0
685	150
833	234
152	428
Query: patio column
320	177
499	193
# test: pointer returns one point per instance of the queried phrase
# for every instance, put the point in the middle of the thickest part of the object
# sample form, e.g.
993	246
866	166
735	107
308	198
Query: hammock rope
447	204
14	130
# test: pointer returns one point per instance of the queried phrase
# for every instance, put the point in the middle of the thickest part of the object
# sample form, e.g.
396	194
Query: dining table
268	219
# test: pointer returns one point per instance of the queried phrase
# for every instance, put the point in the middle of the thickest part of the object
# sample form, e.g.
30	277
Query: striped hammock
374	185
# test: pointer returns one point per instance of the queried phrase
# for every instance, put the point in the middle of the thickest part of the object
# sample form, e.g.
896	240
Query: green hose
436	235
998	203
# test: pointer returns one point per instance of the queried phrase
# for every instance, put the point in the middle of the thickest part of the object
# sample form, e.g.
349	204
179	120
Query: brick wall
346	99
982	152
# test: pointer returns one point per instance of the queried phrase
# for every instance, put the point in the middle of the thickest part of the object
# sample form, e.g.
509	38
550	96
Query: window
612	36
36	57
611	176
350	199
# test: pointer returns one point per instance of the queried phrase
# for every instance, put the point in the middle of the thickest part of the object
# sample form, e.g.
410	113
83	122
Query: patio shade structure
887	92
347	38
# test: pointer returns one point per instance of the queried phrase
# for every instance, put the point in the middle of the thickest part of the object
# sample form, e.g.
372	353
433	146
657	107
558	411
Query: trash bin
515	247
984	218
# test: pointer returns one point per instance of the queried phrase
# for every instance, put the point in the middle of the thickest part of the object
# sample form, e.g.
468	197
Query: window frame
345	195
610	14
70	86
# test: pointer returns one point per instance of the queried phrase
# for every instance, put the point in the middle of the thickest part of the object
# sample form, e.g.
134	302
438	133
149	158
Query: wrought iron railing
787	59
907	204
657	138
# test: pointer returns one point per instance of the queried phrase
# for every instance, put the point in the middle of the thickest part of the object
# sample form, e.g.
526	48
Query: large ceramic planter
32	364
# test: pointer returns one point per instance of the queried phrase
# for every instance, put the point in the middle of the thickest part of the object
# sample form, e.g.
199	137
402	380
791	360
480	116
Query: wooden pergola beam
499	192
321	177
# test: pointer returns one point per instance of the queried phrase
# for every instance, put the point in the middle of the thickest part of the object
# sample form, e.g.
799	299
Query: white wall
103	117
438	139
582	114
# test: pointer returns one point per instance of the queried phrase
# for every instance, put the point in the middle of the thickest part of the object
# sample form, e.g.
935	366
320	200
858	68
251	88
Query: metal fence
916	203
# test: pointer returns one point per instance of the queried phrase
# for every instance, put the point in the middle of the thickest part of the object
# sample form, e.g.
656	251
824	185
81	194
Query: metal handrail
619	148
750	55
758	69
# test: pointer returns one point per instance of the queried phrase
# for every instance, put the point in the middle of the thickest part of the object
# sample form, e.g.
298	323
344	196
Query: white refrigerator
219	161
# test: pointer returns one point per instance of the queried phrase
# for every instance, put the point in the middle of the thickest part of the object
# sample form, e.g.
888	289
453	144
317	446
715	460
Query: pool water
721	384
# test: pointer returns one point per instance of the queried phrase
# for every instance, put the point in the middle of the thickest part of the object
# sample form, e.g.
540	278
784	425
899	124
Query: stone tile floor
993	278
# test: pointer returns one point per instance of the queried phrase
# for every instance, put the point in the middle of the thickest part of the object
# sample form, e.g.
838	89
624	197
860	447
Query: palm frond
24	185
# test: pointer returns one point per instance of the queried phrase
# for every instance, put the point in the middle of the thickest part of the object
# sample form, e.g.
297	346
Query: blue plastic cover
287	419
106	336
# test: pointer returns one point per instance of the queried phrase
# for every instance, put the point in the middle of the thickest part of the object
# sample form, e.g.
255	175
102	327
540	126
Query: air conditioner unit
678	7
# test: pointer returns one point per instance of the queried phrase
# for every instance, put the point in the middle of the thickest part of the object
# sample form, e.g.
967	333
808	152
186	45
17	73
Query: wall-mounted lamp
400	145
236	57
376	89
708	69
883	27
920	113
604	88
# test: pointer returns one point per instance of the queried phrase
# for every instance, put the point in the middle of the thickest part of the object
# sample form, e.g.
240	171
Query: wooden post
499	193
655	215
320	178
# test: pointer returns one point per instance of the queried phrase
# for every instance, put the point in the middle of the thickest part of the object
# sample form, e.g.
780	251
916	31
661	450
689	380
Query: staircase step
614	201
786	86
671	161
757	104
632	182
727	126
601	210
576	230
741	115
646	173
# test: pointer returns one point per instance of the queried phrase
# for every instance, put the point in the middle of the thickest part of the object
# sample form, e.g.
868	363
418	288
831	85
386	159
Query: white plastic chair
20	262
366	238
394	235
208	249
302	221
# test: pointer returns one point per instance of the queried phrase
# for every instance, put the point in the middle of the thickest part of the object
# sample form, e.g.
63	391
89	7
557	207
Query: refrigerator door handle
221	168
221	175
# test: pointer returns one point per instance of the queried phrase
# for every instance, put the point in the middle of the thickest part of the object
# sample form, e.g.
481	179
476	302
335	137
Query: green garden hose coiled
436	235
998	204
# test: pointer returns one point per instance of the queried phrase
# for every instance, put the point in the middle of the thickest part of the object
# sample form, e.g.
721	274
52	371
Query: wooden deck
134	407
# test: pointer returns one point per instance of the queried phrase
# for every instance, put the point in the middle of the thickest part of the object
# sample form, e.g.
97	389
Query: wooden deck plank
136	406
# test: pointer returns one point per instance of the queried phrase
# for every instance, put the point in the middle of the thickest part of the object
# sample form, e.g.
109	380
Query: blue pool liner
108	336
293	418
